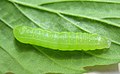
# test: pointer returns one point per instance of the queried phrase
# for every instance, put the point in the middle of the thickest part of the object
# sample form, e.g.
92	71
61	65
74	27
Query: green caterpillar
67	41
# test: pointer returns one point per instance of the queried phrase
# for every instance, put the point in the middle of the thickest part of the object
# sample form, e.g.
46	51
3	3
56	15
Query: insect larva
60	40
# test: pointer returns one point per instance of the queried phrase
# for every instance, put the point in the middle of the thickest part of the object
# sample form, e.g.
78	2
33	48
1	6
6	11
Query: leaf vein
66	13
15	60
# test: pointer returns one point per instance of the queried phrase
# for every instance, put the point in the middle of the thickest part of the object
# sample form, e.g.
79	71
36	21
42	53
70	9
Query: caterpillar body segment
66	41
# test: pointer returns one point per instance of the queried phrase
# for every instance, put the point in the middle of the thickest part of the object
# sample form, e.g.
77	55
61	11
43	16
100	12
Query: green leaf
97	16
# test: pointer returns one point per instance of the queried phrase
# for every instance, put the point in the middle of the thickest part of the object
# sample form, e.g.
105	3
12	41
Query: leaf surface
96	16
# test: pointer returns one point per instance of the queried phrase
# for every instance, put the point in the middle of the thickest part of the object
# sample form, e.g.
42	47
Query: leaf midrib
78	1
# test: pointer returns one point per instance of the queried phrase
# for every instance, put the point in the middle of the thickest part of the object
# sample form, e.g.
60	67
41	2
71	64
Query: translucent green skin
60	40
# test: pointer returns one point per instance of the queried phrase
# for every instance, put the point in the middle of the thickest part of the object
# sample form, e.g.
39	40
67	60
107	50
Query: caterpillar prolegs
67	41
